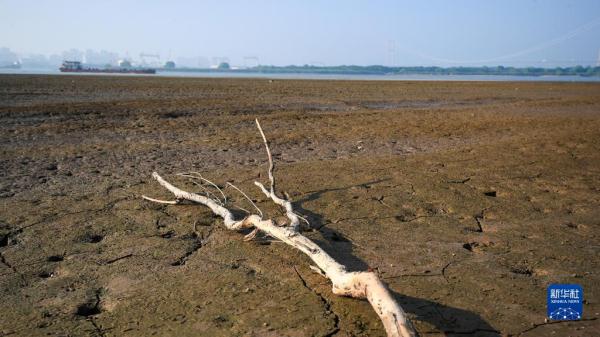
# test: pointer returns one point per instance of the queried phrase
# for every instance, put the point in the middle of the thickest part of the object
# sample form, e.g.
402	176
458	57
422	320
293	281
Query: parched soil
468	198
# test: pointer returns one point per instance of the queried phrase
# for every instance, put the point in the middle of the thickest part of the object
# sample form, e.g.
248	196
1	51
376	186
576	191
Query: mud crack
4	262
183	259
326	305
458	181
53	217
90	308
111	261
444	271
537	325
97	328
11	267
199	241
478	218
404	219
427	273
463	332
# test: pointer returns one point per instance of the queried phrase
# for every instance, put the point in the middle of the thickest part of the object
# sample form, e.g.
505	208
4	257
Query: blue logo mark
565	302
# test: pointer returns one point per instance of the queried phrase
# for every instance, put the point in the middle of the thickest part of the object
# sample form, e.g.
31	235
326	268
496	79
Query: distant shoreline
587	71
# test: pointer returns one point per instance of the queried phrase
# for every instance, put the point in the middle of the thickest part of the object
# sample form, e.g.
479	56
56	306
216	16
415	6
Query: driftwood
354	284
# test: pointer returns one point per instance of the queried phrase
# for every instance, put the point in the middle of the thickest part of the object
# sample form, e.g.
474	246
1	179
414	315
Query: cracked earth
467	198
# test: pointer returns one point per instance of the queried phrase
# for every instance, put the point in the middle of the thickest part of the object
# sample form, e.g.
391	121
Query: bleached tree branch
365	285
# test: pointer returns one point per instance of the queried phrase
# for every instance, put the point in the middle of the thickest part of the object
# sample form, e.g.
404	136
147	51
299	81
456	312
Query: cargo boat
77	67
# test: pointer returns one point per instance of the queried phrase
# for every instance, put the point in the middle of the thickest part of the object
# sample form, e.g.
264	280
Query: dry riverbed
468	198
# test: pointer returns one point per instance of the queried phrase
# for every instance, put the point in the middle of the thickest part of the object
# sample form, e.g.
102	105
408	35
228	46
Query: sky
402	33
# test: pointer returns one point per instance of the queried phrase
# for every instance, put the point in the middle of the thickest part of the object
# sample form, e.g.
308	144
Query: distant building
224	66
124	64
218	60
170	65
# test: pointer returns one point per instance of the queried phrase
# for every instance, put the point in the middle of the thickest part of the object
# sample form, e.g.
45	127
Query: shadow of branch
447	320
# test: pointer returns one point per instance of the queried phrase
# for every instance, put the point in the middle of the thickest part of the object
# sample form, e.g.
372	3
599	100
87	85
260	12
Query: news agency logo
565	302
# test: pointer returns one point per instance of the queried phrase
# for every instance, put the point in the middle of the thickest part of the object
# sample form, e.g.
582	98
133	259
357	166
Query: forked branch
354	284
286	204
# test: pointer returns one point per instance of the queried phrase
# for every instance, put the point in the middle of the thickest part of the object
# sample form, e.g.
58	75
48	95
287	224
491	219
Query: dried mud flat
468	198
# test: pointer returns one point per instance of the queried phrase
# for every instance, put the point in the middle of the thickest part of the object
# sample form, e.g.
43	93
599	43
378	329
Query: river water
200	74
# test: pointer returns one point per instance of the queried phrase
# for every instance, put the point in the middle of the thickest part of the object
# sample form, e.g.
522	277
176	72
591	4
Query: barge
78	67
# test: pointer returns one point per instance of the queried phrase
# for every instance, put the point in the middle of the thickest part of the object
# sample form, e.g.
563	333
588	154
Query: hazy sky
520	32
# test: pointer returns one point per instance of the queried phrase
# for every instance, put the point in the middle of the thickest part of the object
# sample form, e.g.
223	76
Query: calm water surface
325	77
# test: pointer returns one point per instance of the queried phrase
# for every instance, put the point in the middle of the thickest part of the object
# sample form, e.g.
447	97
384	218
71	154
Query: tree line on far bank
384	70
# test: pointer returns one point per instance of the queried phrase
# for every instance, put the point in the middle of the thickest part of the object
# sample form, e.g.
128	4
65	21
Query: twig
271	165
197	175
287	205
168	202
208	193
247	198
